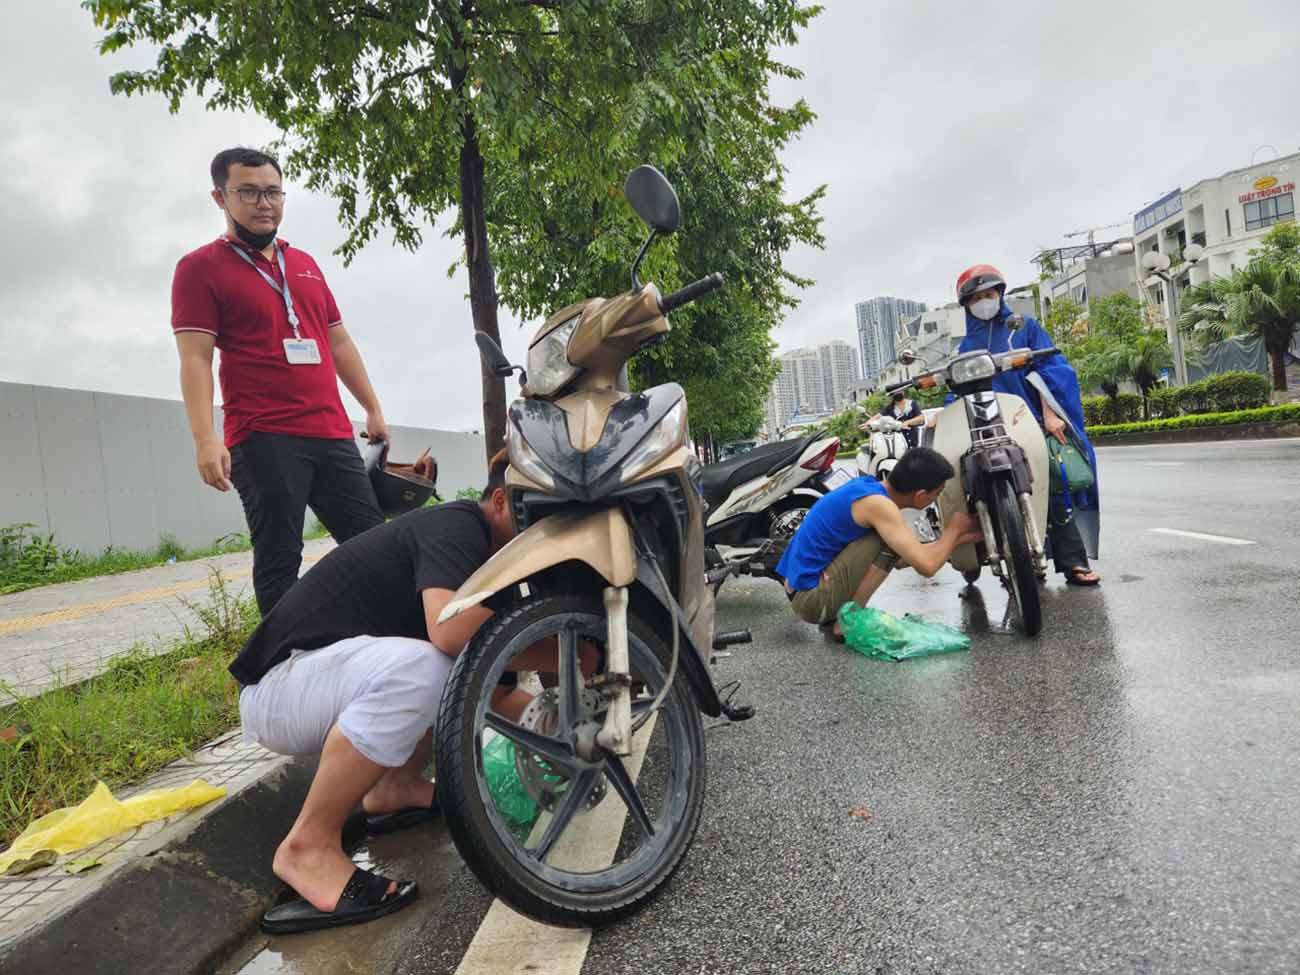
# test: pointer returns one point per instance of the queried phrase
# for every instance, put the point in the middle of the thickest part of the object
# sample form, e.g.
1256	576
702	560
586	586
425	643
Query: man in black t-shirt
350	664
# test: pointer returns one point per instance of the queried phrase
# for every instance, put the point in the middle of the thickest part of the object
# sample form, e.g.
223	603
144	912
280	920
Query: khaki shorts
841	579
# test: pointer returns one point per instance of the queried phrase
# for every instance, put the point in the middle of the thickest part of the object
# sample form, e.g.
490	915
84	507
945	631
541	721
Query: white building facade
1227	215
1089	272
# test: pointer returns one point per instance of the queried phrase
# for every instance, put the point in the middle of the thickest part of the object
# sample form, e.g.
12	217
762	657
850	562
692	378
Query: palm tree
1099	367
1261	301
1142	361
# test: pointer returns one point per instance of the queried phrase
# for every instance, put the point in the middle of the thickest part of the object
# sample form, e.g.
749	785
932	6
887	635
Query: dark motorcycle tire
793	503
1020	564
493	861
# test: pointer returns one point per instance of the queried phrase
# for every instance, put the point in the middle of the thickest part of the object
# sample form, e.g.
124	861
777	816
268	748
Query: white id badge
301	352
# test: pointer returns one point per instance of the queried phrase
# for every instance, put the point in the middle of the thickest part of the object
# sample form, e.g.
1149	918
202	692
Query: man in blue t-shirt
852	538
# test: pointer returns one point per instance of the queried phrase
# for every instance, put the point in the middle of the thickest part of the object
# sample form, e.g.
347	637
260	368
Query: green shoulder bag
1067	461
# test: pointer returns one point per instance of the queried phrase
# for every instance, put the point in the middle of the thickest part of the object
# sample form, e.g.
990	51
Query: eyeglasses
251	195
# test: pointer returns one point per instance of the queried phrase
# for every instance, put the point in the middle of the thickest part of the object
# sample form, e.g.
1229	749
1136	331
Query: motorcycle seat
719	480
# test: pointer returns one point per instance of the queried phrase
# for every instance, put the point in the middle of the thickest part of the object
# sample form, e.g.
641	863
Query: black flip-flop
361	824
365	897
1073	573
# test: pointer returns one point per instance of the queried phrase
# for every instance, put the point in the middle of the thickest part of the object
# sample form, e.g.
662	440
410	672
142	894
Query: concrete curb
186	907
1236	431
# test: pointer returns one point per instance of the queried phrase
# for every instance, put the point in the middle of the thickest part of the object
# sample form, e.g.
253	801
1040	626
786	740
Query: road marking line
1221	539
22	624
507	942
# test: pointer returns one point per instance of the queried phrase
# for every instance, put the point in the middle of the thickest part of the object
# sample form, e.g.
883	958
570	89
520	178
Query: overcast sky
948	133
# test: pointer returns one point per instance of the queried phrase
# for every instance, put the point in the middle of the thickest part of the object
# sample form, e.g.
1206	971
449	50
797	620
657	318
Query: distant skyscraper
812	381
840	372
878	320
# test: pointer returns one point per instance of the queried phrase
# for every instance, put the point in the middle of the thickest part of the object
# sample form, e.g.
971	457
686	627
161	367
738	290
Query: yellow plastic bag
100	816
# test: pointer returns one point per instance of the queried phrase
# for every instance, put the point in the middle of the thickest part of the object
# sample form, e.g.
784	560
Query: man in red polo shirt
288	443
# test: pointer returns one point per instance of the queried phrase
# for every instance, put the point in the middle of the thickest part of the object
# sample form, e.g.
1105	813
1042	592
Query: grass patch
1288	413
149	708
29	559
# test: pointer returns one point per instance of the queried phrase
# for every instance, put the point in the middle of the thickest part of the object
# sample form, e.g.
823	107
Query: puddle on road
424	854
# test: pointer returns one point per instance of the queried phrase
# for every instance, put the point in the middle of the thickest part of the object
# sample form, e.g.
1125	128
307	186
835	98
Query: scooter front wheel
550	822
1020	564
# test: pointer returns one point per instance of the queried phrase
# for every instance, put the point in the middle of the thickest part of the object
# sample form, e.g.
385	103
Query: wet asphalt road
1117	795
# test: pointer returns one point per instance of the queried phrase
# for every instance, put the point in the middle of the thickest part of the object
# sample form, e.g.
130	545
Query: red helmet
979	278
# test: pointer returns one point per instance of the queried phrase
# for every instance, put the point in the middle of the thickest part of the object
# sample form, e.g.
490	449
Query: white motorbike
878	454
758	500
997	448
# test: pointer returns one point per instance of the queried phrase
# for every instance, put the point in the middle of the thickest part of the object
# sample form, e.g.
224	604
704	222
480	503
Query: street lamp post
1158	264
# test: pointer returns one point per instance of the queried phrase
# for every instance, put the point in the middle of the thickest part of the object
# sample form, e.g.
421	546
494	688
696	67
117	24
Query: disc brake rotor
543	783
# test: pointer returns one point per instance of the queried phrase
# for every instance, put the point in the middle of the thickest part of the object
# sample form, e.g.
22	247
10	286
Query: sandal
365	897
1074	576
361	823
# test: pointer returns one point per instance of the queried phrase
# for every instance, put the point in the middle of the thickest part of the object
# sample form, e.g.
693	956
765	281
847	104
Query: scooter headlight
549	368
668	434
972	369
525	459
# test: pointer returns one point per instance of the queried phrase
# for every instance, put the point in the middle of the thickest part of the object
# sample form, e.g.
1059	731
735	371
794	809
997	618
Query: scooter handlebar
696	289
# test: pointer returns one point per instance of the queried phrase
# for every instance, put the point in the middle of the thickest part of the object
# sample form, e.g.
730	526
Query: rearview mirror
908	356
653	198
491	352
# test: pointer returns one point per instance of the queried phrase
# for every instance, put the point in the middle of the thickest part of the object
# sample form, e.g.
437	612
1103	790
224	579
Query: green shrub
1094	410
1125	408
1230	391
1290	413
1194	398
1163	401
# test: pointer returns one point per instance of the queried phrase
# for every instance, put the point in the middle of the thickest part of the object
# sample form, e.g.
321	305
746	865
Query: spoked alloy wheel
607	831
1020	574
787	515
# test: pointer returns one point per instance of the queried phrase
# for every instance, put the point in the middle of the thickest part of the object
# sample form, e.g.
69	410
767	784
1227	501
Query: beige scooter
605	582
999	453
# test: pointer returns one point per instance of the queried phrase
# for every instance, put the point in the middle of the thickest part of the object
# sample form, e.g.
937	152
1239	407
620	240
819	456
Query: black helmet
398	488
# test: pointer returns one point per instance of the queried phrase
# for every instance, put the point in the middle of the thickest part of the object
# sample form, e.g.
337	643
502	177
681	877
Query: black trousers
278	476
1068	550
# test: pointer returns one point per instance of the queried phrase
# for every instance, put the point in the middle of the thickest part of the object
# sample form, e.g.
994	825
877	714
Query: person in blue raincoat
1051	389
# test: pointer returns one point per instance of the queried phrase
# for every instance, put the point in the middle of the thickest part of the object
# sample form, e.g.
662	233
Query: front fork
1031	531
616	734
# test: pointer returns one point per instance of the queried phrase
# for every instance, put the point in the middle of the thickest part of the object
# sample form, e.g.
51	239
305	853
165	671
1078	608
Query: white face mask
986	308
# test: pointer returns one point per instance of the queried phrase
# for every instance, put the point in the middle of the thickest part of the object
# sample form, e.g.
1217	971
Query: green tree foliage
521	117
1281	245
1120	346
1062	323
1260	300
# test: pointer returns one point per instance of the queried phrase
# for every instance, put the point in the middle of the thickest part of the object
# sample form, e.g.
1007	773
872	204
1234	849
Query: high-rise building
812	382
840	372
878	322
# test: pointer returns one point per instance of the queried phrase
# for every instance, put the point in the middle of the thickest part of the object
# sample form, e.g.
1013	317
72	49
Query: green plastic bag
883	636
513	802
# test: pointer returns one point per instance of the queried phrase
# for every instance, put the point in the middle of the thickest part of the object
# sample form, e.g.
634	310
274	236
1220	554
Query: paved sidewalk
33	899
69	631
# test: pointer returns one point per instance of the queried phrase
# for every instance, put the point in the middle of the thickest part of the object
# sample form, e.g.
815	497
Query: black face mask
898	399
259	241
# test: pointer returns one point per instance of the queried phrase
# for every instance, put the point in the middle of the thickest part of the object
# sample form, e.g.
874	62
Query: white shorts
382	692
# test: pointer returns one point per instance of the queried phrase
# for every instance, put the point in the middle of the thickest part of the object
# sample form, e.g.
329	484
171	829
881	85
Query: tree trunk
1277	360
478	260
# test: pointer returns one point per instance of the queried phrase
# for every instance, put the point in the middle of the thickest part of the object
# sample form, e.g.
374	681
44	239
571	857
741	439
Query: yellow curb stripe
36	621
